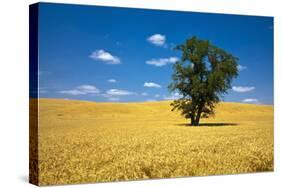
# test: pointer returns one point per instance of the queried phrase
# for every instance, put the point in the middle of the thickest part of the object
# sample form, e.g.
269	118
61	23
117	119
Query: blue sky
124	55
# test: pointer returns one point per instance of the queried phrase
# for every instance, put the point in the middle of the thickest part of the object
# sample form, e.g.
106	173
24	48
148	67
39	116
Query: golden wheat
97	142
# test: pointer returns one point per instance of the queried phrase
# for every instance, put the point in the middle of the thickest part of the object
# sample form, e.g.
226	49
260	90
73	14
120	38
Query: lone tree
201	77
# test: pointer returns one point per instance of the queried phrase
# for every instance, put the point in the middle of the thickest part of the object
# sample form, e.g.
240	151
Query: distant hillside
225	111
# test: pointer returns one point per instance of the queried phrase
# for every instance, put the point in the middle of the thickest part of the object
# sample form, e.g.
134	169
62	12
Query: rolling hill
82	141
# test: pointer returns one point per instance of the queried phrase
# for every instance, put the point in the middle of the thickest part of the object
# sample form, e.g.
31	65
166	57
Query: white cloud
72	92
119	92
81	90
113	99
173	96
151	84
241	89
88	89
241	67
144	94
102	55
162	61
112	81
157	39
250	101
156	95
150	100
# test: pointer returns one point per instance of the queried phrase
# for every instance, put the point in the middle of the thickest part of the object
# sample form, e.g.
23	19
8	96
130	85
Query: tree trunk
192	120
198	116
197	119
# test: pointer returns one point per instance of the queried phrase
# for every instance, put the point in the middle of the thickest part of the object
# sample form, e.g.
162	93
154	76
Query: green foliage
202	76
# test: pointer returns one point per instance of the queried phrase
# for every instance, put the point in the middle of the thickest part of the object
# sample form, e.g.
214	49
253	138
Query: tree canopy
202	76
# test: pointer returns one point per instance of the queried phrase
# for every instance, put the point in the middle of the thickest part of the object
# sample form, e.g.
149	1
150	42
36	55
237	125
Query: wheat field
83	141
